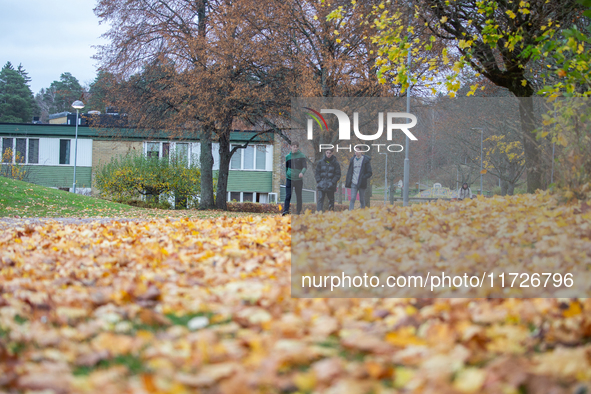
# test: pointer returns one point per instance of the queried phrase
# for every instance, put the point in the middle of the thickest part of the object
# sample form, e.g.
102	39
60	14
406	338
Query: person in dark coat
327	174
295	168
357	175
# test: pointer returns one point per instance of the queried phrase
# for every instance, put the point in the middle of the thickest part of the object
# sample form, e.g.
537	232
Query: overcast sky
50	37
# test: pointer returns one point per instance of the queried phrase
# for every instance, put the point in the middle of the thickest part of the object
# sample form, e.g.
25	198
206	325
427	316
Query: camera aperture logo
345	129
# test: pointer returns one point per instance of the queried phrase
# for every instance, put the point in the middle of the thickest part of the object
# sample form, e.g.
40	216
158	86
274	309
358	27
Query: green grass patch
133	363
348	354
27	200
183	320
20	320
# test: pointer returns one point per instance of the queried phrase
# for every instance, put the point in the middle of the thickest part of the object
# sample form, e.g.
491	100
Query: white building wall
49	151
84	152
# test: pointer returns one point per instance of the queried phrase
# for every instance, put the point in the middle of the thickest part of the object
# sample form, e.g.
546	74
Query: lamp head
78	104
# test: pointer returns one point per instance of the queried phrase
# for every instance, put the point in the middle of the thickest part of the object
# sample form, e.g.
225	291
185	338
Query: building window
248	197
182	151
153	149
236	162
33	151
263	198
14	150
64	151
235	196
165	150
261	162
20	155
7	150
250	158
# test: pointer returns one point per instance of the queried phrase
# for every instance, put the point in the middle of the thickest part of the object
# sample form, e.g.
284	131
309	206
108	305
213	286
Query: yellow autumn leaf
574	309
404	338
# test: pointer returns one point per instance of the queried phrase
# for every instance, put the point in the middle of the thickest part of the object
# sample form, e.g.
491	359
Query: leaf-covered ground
527	246
204	306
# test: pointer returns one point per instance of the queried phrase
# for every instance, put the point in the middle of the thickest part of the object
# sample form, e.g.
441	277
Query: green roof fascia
49	130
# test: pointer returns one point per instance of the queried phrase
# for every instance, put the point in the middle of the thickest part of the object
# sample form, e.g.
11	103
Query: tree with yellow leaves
13	168
496	39
505	159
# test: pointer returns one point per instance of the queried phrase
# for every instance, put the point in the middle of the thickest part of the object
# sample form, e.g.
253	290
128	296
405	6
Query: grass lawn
27	200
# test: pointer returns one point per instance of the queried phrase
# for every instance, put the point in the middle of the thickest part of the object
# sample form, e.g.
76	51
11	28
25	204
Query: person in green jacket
295	168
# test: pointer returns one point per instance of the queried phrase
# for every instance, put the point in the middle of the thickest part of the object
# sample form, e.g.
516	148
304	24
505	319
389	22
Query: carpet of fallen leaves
523	236
204	306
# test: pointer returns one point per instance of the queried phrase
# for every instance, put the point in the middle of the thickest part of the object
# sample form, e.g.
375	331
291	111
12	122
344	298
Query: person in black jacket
357	175
327	174
295	168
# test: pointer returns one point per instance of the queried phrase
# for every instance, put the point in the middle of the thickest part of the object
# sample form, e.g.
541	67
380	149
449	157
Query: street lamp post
481	134
385	177
406	179
78	105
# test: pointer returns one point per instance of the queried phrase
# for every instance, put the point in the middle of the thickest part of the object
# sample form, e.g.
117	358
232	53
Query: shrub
13	170
127	177
312	207
148	204
253	207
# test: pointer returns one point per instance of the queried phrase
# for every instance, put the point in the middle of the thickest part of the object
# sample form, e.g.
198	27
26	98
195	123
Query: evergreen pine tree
16	98
63	93
34	106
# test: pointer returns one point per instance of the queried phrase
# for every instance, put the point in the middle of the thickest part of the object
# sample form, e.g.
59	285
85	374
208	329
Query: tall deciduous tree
336	57
16	98
214	62
206	64
497	39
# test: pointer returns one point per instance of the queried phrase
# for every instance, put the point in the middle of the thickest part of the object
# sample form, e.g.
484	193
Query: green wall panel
250	181
59	176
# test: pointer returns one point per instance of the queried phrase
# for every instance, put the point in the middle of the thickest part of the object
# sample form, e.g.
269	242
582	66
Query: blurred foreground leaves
204	306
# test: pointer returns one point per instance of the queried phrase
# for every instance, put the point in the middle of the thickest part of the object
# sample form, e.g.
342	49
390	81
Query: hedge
254	207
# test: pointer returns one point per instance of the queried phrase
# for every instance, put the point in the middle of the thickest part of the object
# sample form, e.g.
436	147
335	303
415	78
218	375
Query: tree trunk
225	157
206	163
510	188
504	187
531	146
340	193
